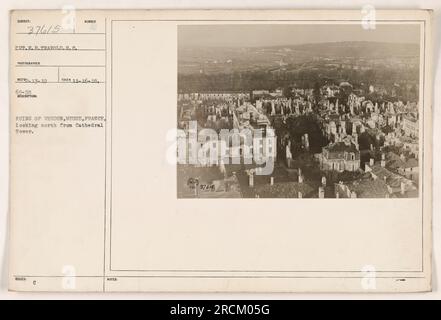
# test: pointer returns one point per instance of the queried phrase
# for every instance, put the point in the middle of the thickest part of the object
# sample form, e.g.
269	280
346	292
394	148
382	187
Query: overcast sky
273	35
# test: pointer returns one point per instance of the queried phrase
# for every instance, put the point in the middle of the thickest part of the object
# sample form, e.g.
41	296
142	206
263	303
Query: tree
316	91
287	92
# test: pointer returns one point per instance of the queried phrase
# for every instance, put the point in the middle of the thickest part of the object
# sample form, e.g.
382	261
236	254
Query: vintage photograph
298	111
300	142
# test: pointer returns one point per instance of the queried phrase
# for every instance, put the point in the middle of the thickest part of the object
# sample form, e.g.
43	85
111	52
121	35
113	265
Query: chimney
251	179
272	181
403	188
299	172
389	189
306	141
355	139
321	192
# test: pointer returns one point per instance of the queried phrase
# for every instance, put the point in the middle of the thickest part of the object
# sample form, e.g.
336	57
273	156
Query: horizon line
296	44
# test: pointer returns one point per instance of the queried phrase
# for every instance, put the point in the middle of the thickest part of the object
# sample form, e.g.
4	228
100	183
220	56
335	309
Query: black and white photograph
179	152
298	111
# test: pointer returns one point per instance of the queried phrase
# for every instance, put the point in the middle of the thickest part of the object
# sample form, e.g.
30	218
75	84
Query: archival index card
256	151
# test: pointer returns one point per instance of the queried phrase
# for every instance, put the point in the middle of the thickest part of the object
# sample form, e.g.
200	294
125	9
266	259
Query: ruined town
337	136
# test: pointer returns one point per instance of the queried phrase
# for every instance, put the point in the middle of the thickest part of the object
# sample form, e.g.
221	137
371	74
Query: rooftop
366	187
283	190
392	179
341	147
